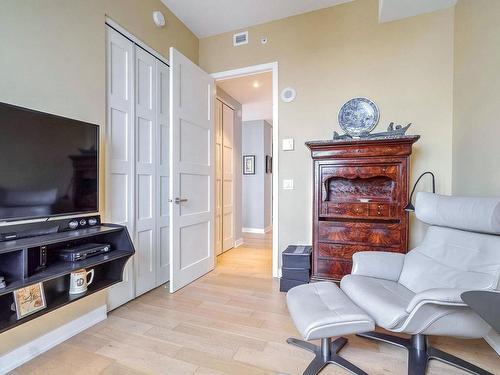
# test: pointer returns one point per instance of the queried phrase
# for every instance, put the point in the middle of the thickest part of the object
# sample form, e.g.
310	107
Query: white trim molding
256	69
136	40
253	230
27	352
239	242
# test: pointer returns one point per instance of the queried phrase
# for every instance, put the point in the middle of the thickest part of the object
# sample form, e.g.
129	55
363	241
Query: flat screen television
49	165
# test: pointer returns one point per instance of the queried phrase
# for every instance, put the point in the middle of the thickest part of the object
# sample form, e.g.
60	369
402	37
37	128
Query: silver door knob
180	200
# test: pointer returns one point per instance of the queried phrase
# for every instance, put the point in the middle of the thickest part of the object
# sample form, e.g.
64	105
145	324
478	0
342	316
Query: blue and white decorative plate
358	116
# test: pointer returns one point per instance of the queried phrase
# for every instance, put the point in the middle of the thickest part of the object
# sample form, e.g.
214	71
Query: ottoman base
326	354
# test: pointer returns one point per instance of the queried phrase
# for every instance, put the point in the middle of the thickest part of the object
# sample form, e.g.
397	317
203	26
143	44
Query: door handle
180	200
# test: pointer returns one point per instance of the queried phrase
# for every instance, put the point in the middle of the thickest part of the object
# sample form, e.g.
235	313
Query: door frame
108	21
247	71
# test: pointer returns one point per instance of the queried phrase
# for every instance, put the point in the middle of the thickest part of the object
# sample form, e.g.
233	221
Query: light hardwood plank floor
232	321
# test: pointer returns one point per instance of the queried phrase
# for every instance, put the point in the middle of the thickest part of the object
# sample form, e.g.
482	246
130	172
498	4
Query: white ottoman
322	311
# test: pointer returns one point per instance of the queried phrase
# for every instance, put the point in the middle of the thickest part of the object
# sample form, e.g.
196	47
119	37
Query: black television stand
19	272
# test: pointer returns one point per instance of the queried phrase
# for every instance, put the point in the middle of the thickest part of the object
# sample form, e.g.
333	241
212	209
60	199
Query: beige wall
137	17
332	55
52	58
476	124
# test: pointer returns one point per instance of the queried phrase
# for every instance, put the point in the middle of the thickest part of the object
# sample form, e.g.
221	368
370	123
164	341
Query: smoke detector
158	18
288	94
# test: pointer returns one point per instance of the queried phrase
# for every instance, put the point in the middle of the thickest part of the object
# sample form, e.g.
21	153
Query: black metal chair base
420	353
326	354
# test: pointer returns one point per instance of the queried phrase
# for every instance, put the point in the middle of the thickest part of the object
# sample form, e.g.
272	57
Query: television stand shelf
19	272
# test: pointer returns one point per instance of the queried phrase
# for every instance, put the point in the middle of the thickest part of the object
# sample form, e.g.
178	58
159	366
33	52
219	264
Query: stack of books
296	267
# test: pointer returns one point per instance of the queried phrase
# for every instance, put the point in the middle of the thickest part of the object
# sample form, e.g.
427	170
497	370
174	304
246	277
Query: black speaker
37	259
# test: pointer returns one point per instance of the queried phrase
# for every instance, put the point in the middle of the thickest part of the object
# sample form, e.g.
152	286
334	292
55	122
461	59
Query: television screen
49	165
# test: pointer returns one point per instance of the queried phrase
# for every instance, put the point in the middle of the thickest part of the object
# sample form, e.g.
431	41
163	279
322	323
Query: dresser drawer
360	171
345	252
382	210
359	233
346	209
332	268
359	210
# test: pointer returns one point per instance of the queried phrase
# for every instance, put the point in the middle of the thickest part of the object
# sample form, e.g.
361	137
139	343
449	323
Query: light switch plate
287	184
288	144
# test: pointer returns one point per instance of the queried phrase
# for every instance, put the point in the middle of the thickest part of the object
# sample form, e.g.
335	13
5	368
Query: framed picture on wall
269	164
248	164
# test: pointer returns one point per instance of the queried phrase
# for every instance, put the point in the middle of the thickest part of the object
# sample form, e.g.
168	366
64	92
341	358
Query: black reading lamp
410	207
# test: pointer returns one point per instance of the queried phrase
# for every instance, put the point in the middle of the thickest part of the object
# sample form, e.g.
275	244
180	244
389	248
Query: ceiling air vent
240	39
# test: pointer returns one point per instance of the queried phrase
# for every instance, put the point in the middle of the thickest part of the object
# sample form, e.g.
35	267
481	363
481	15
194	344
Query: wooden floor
232	321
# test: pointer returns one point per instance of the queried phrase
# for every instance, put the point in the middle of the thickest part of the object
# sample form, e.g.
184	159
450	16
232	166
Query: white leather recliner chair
418	293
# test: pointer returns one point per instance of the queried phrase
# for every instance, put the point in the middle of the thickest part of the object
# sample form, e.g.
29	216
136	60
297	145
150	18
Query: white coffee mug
79	281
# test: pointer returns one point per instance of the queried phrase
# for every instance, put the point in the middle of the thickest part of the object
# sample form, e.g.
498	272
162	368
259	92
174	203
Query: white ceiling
392	10
211	17
243	90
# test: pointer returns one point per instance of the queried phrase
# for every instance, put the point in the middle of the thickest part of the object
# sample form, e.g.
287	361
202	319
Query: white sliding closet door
146	165
137	162
218	177
119	143
228	178
163	181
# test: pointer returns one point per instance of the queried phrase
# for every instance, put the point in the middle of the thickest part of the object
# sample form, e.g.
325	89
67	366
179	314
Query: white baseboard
253	230
26	352
493	339
238	242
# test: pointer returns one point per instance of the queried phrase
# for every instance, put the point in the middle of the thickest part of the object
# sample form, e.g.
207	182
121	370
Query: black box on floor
296	267
297	257
299	274
287	284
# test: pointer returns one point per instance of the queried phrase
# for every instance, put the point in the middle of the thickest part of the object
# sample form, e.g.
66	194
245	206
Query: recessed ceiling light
256	84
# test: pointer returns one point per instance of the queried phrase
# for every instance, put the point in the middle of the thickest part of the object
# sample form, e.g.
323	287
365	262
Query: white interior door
162	183
228	178
218	177
146	165
119	143
192	171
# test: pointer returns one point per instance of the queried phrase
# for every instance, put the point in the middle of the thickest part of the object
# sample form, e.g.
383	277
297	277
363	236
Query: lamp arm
418	180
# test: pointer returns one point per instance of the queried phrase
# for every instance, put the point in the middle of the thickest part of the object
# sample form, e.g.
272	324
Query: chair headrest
466	213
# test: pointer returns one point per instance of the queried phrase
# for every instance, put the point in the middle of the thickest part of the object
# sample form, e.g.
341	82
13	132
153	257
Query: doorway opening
246	119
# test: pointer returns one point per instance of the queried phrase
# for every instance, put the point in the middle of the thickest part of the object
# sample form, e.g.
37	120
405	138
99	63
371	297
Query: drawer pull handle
379	213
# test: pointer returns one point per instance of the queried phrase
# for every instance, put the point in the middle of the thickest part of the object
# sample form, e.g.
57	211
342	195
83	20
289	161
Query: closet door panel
163	173
228	178
218	177
119	149
146	165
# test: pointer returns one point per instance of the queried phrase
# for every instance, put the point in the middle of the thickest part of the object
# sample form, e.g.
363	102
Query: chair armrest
378	264
437	296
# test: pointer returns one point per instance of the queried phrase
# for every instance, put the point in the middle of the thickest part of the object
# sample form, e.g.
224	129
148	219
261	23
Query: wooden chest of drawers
360	191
